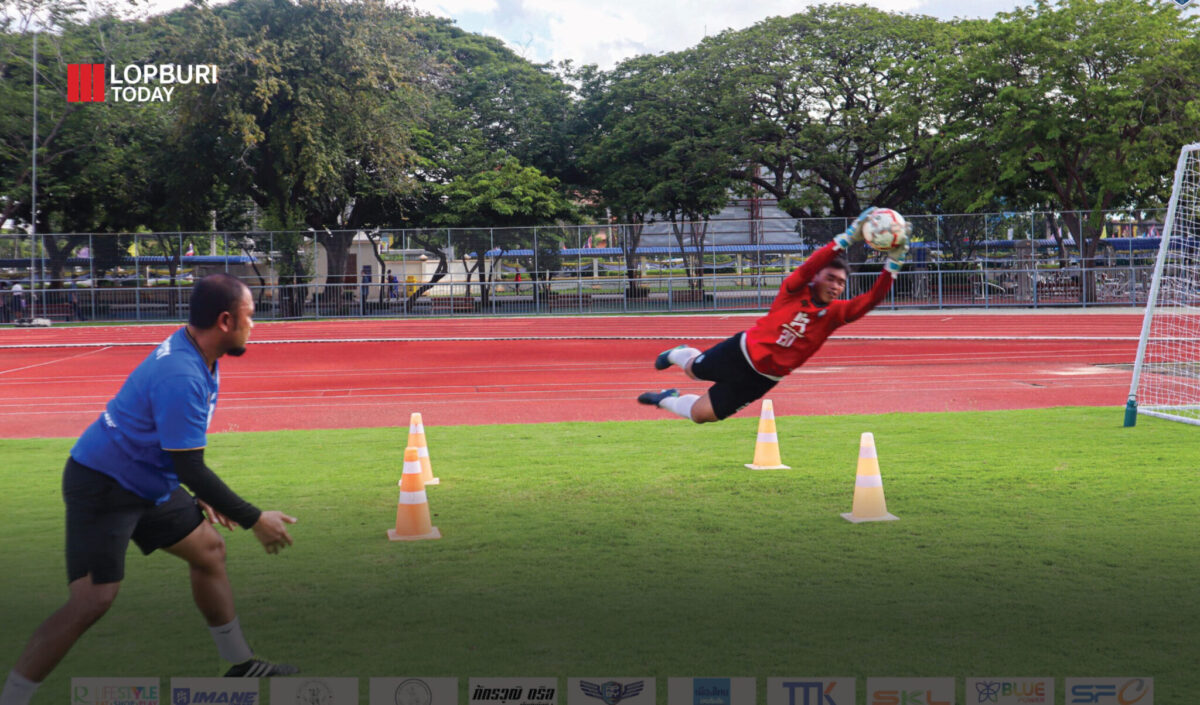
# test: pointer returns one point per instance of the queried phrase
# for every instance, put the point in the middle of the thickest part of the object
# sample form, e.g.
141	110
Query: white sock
18	690
231	645
682	356
680	406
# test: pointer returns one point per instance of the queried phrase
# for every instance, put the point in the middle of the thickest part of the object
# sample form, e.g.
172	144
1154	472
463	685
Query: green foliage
1078	105
508	196
831	106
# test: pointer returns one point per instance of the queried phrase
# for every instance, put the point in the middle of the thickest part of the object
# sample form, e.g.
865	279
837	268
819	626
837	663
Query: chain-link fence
988	260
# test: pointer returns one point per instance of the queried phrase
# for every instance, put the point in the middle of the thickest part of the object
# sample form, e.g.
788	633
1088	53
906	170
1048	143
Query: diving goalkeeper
806	311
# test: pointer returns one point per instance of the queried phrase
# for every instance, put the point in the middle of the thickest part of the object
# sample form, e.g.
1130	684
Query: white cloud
606	31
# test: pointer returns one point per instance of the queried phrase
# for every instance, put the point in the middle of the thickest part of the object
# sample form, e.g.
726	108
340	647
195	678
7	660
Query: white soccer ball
884	229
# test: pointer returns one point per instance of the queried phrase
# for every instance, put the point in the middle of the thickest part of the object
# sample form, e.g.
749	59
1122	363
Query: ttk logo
811	692
133	83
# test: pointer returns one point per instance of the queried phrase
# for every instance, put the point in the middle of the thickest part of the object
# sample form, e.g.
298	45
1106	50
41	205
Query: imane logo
133	83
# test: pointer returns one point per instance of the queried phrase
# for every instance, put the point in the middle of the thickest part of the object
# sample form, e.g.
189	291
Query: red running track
482	371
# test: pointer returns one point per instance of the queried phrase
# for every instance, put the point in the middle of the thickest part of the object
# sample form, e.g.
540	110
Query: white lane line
51	362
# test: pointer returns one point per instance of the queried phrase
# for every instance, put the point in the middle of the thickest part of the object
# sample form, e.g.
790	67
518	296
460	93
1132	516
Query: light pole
33	197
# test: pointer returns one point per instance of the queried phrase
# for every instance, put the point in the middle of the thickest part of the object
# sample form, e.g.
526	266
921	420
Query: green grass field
1031	543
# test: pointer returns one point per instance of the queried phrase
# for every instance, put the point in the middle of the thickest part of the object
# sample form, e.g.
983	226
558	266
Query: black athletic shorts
737	383
102	516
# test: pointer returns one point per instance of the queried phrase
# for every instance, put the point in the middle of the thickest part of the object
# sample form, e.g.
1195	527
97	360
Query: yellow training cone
868	486
416	439
766	451
412	511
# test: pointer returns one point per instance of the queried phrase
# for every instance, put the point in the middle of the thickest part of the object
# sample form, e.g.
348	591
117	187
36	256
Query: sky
604	32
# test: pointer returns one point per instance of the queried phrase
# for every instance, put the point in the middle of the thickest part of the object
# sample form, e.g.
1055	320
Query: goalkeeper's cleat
653	398
663	361
260	668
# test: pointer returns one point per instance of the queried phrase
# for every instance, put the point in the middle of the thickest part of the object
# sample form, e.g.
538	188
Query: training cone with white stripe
412	511
869	504
416	439
766	451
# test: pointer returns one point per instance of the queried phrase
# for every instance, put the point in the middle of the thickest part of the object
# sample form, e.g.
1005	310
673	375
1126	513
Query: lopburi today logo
133	83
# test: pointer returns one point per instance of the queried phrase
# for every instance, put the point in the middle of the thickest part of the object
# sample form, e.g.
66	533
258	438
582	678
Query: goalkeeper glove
853	233
895	257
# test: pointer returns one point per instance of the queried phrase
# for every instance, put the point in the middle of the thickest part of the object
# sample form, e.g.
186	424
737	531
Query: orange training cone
412	511
766	451
416	439
868	486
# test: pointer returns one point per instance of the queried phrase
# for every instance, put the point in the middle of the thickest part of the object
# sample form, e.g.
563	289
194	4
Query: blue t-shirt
166	404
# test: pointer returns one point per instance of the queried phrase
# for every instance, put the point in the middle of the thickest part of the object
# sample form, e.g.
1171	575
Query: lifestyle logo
134	83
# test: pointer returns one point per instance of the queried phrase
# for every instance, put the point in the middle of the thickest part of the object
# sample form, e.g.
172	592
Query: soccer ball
884	229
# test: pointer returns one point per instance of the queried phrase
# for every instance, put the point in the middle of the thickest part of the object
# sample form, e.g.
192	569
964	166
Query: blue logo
1182	3
181	696
611	692
988	692
711	691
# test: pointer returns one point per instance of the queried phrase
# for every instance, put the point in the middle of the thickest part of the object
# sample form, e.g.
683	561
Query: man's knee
702	411
211	553
203	549
90	601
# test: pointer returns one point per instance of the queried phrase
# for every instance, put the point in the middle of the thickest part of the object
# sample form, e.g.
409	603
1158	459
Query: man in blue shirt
123	479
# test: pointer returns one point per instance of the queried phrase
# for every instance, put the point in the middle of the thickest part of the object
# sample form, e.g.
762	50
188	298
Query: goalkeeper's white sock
680	406
682	356
18	690
231	644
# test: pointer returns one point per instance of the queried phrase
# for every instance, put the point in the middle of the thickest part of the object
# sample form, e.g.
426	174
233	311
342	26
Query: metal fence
989	260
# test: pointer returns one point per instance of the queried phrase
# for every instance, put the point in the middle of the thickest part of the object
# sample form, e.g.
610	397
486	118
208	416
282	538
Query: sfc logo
611	692
1110	691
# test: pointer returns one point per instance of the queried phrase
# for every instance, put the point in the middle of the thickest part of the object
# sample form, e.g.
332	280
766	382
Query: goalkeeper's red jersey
797	325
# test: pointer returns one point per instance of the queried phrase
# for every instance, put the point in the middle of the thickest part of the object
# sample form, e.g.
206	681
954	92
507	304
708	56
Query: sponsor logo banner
1009	691
115	691
513	691
611	691
214	691
1109	691
811	691
711	691
413	691
910	691
314	691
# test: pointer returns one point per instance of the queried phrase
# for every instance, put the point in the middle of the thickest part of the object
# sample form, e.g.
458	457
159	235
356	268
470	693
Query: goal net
1166	372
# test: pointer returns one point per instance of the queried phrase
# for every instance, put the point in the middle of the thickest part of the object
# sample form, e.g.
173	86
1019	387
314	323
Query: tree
658	146
832	105
314	118
506	200
1078	105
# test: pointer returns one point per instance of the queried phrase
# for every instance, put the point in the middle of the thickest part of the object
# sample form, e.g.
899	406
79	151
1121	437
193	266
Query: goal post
1166	371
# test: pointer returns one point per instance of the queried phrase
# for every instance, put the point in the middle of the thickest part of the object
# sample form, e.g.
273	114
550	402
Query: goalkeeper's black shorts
102	517
737	383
